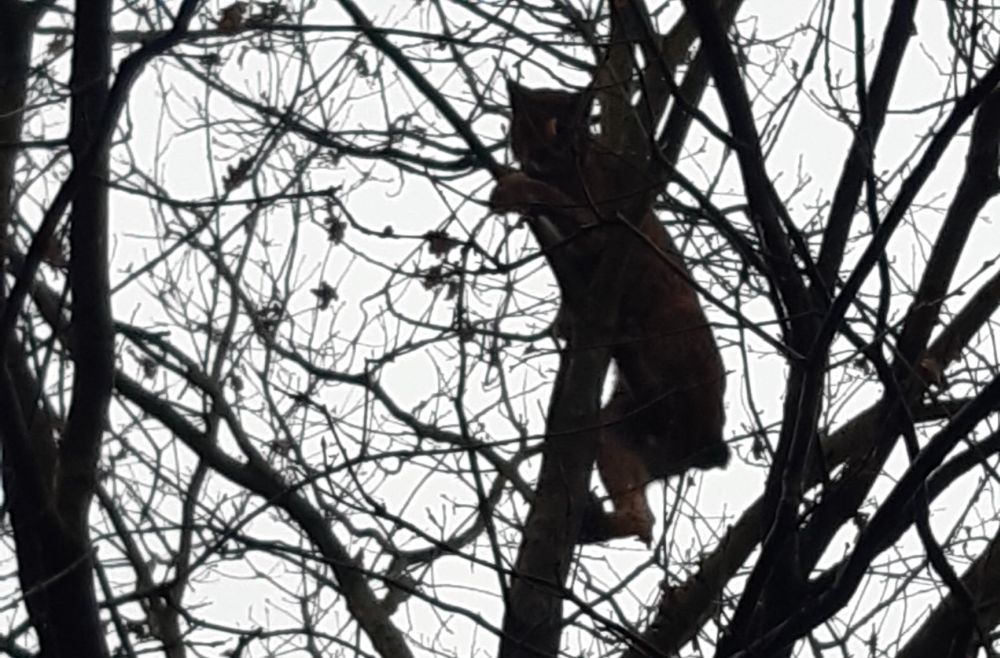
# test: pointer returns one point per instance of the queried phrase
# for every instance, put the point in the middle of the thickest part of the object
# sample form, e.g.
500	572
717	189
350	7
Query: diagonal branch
870	541
897	35
948	629
423	85
963	109
764	210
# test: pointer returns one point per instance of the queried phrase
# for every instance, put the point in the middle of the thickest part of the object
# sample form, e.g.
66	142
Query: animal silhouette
665	415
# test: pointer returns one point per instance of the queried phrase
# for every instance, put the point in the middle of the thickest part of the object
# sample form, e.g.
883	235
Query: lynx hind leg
704	425
625	477
681	448
678	424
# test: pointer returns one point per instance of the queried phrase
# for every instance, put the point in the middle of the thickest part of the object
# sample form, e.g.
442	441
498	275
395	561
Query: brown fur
666	414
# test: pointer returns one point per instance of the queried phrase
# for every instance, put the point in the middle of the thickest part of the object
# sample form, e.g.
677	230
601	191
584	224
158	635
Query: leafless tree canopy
276	381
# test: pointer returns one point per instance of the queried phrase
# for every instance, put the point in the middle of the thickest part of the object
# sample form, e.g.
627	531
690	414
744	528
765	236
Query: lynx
666	414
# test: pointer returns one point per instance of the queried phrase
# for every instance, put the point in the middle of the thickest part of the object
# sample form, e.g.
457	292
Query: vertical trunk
17	27
533	621
25	439
73	603
49	496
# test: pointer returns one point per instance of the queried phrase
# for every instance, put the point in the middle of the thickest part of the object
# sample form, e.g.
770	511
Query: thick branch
897	35
901	206
91	333
763	202
978	185
802	402
533	621
947	631
870	542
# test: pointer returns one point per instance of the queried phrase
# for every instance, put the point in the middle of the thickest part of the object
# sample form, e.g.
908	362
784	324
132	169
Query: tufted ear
515	91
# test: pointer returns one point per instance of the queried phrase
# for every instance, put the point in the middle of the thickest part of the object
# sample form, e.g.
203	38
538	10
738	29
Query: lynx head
548	128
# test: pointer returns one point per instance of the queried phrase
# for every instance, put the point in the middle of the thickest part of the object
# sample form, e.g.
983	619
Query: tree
276	380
